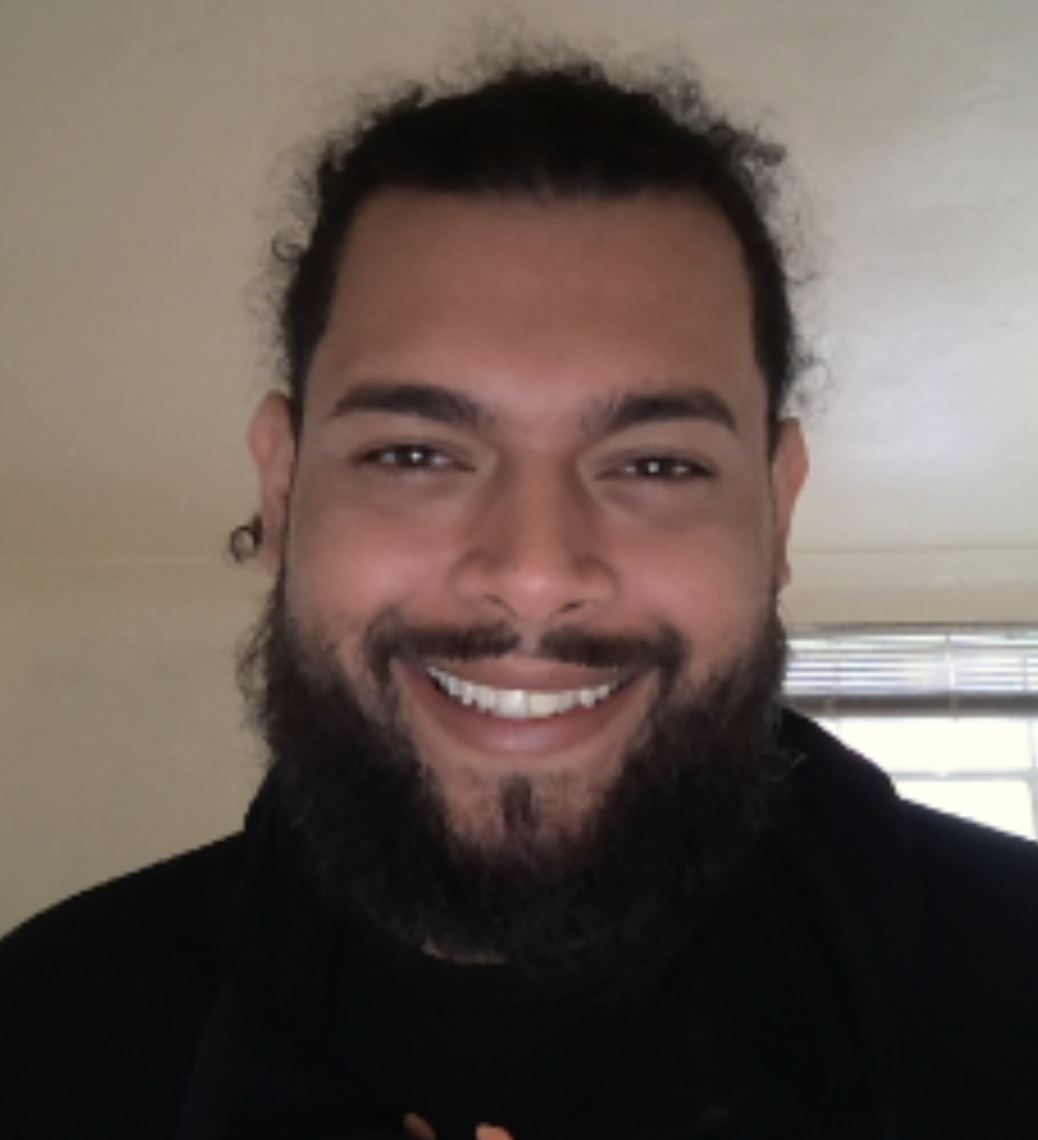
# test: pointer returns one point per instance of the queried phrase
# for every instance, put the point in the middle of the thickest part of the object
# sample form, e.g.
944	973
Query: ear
272	442
789	467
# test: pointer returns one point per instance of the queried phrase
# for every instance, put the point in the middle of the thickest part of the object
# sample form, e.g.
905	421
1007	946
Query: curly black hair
547	126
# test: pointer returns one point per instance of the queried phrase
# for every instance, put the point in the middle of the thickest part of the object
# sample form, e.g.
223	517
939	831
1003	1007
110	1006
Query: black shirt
731	1028
877	979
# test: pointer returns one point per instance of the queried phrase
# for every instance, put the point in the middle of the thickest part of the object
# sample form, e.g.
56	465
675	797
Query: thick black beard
368	828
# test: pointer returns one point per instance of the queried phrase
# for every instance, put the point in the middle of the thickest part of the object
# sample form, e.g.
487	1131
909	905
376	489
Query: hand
421	1130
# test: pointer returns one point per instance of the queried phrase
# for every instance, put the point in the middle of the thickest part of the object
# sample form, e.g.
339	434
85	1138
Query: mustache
391	638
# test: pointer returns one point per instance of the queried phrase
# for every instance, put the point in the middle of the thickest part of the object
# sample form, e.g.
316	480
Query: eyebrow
443	405
429	401
662	406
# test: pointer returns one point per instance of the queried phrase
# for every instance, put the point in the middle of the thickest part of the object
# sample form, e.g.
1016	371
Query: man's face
534	421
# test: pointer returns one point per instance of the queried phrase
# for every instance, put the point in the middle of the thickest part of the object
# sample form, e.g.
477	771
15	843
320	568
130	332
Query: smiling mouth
521	704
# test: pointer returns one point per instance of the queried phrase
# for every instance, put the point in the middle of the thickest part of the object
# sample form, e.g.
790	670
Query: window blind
961	670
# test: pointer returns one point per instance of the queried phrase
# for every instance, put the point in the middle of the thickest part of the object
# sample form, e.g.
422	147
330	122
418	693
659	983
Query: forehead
537	306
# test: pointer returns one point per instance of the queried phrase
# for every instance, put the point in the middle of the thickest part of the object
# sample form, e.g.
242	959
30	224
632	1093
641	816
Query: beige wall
121	738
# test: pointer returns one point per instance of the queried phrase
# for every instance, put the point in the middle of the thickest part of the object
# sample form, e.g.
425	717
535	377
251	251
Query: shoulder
964	899
974	1006
948	858
977	892
978	896
167	910
114	984
1004	866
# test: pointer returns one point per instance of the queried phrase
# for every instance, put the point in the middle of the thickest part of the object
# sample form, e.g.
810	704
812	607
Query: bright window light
951	714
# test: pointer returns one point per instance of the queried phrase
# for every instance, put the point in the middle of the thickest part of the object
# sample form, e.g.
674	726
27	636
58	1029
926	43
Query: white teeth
514	704
541	704
520	704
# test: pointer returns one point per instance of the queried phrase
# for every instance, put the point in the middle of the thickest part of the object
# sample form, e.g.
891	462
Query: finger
420	1129
492	1132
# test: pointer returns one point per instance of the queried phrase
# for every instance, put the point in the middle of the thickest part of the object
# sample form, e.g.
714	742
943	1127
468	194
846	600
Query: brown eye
409	457
664	468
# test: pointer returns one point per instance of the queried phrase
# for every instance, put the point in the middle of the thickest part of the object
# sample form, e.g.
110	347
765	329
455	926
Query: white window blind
951	713
961	671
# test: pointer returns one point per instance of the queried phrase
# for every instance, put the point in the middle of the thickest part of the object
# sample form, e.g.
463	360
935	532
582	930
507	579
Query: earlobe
272	443
789	468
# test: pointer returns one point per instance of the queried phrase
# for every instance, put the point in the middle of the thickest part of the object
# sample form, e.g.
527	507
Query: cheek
712	584
345	565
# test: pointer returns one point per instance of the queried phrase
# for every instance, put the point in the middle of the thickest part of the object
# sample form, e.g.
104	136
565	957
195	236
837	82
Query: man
538	851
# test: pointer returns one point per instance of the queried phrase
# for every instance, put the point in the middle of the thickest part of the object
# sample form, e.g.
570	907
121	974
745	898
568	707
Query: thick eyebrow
397	397
661	406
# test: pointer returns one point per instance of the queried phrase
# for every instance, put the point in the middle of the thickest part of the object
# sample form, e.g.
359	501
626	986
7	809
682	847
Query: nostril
533	565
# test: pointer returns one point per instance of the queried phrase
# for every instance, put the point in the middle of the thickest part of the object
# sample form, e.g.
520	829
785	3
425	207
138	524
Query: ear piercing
244	541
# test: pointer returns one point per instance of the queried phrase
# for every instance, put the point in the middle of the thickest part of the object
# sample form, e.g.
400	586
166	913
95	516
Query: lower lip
530	739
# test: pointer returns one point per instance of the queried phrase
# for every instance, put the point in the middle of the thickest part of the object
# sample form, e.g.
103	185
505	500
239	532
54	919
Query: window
951	714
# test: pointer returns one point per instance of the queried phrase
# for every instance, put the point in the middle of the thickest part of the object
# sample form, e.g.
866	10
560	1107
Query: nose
535	553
